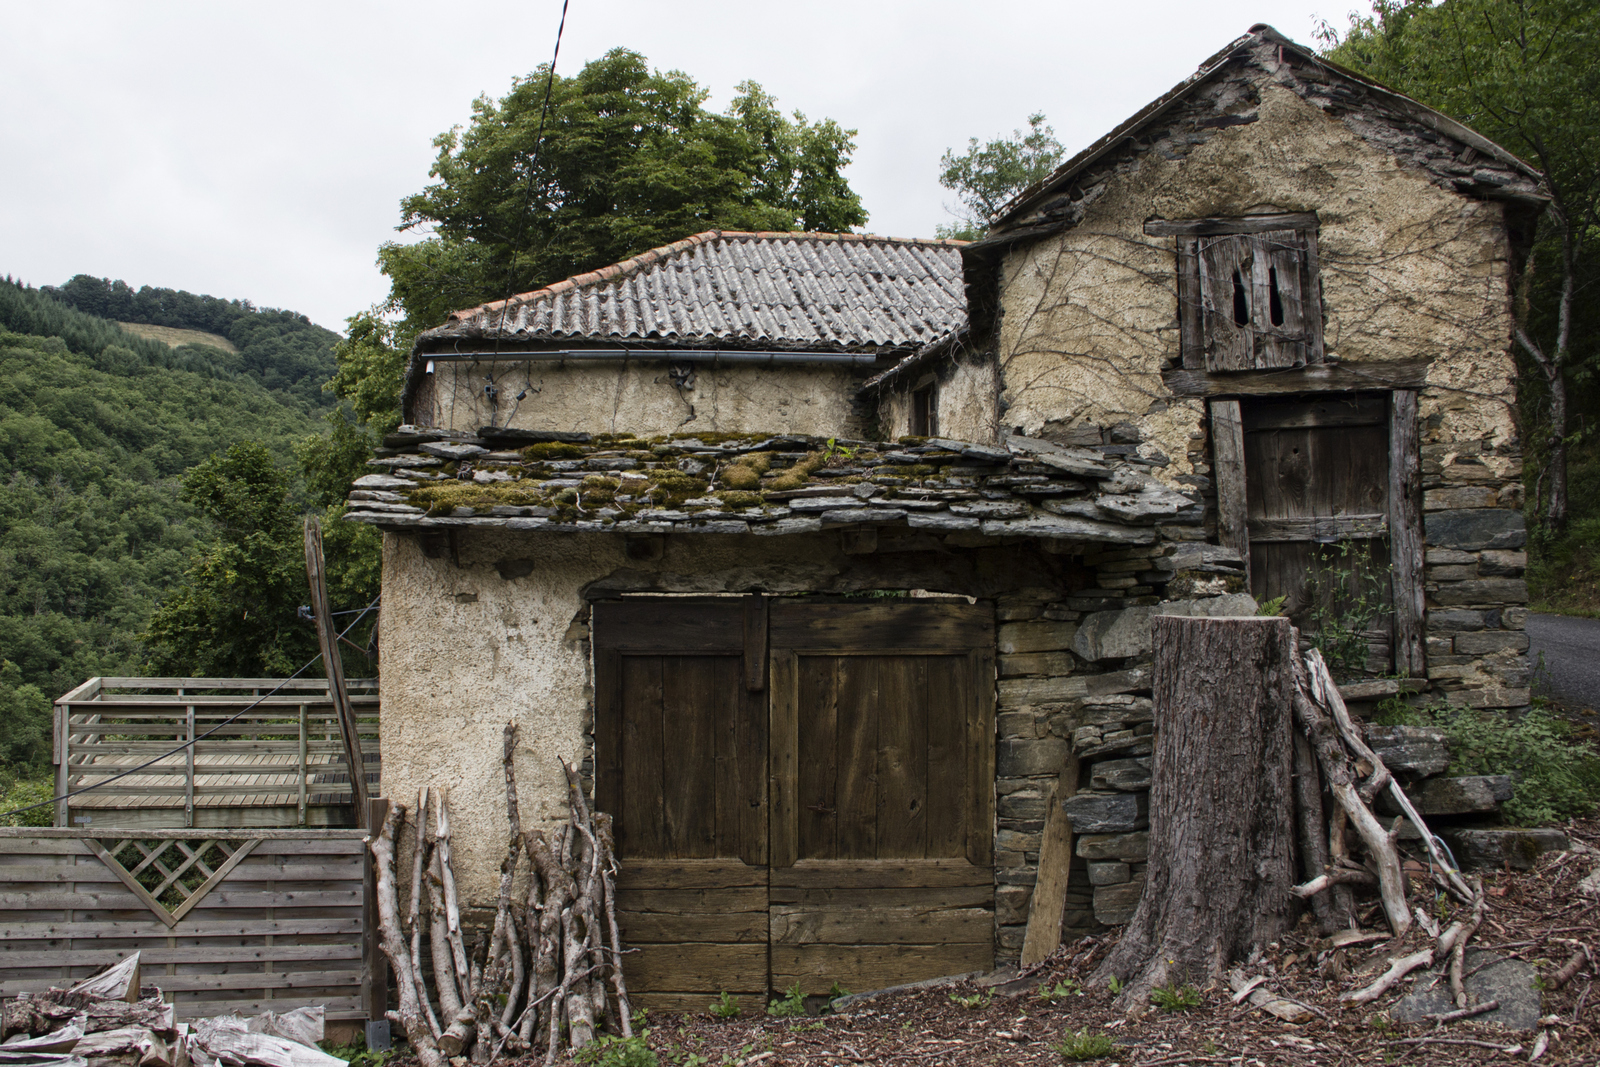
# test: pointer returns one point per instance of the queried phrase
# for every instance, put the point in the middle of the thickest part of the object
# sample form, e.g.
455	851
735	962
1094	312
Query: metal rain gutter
679	355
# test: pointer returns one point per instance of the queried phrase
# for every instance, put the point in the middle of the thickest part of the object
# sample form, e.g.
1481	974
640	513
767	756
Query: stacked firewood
546	974
110	1020
1330	745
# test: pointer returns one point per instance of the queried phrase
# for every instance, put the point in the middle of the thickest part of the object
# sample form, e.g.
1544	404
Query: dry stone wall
1476	595
1074	683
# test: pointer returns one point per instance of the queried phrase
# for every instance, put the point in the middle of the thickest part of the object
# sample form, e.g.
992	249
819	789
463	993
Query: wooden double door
803	791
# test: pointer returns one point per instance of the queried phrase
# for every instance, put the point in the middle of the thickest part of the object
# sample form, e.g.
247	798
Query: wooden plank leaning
1049	901
327	639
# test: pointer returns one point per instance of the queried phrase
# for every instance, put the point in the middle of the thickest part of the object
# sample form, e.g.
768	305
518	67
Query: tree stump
1222	812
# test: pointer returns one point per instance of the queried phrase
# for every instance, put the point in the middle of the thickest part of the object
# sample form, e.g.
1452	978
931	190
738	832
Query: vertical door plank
640	834
948	756
607	731
1190	340
978	695
1405	532
752	777
858	756
902	757
784	756
819	772
689	756
723	708
1228	468
755	642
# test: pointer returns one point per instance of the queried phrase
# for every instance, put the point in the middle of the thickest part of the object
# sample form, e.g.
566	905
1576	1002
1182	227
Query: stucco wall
642	398
465	650
965	392
1409	271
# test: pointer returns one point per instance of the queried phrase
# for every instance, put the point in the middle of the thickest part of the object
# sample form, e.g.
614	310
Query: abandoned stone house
826	553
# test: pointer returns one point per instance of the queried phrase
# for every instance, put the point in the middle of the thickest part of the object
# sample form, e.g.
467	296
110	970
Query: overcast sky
260	150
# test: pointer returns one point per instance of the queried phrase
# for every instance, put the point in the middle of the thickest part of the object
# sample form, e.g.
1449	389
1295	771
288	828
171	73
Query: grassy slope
173	337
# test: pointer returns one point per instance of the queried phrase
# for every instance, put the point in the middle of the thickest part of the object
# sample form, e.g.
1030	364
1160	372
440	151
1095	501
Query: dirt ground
1536	916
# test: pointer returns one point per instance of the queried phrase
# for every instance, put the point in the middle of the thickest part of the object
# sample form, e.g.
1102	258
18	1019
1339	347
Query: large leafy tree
1523	73
623	159
986	176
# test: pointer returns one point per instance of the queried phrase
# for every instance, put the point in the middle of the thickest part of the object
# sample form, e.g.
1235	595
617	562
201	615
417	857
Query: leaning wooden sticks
547	973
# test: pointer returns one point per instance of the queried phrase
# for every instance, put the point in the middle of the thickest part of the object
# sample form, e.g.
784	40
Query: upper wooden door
1309	490
681	765
882	820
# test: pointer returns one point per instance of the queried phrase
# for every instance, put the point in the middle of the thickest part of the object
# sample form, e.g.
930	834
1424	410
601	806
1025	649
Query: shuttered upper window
1248	293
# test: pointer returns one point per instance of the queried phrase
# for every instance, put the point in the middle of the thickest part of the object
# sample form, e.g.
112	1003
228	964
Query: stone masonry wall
1477	598
1074	683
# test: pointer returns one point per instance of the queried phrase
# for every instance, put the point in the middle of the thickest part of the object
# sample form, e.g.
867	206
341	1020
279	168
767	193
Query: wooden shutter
1257	300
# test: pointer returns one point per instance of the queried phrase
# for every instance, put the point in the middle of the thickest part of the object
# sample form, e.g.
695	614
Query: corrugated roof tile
832	290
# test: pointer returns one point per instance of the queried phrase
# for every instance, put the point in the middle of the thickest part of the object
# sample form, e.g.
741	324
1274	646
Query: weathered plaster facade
1089	317
645	397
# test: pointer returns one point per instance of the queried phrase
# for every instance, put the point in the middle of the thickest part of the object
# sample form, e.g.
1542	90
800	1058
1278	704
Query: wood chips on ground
1536	916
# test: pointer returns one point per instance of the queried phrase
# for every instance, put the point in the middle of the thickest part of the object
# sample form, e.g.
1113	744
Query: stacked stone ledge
1477	597
575	483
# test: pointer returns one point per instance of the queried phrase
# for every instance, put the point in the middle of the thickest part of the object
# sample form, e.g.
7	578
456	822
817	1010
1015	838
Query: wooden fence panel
282	928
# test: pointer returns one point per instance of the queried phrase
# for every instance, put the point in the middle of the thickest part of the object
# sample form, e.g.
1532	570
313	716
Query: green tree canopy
630	159
986	176
1522	73
236	612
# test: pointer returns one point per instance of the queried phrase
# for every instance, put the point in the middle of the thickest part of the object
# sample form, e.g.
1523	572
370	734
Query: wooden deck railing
280	763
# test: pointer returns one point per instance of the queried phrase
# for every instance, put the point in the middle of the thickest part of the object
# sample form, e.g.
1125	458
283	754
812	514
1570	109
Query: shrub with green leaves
24	793
792	1003
357	1054
1555	778
1175	997
726	1006
1345	596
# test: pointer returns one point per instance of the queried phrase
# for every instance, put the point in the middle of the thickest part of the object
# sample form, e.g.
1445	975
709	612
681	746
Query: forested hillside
282	350
97	431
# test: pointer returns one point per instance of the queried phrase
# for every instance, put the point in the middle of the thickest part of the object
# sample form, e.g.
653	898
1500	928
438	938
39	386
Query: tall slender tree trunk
1221	804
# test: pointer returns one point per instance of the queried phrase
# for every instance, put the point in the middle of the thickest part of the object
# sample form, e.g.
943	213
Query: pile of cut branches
548	972
1330	746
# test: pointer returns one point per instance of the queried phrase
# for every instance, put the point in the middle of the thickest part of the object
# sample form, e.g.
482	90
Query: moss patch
800	473
443	499
548	450
740	500
722	438
746	471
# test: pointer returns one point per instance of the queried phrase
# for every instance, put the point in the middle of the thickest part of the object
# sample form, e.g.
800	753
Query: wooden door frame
1404	516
